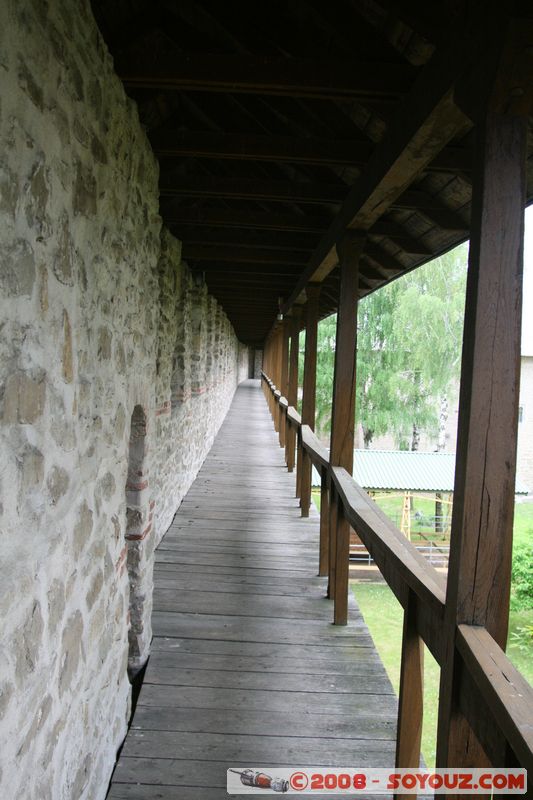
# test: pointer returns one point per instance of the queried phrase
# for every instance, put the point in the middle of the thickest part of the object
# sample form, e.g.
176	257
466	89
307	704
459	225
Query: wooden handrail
293	417
495	698
504	691
283	402
400	563
317	452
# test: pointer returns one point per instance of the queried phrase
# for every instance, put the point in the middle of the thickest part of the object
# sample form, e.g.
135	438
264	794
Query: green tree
408	355
428	327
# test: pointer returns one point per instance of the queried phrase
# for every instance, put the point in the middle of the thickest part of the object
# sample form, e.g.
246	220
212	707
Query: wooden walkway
246	669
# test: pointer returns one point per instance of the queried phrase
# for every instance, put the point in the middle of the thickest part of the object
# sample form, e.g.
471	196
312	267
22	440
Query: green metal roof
405	470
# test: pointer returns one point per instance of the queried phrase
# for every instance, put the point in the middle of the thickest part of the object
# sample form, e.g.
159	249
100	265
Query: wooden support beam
323	559
284	378
292	395
349	251
234	237
293	77
277	376
174	214
309	389
175	184
432	208
411	701
250	273
482	523
426	122
218	253
401	237
207	144
337	152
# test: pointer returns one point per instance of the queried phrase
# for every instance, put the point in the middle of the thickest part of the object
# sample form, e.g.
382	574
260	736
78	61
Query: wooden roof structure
280	125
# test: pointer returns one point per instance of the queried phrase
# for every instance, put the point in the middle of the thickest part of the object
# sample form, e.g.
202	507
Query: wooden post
349	251
267	369
482	522
323	564
299	462
411	701
293	385
276	376
333	524
284	378
309	390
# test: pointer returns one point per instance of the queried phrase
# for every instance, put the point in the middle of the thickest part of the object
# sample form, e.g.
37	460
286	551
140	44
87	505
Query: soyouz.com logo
338	780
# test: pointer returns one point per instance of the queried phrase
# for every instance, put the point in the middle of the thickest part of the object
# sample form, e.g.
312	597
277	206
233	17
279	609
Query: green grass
523	523
384	617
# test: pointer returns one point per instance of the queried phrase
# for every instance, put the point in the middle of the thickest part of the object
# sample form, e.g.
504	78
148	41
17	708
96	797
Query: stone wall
116	369
258	363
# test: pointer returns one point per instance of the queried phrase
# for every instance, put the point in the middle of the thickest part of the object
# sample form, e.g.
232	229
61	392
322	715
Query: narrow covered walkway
246	667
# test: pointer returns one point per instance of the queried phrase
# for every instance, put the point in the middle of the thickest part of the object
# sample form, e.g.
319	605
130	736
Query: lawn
383	615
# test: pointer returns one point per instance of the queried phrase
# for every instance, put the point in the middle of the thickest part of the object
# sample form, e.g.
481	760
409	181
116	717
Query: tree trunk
443	421
415	437
368	435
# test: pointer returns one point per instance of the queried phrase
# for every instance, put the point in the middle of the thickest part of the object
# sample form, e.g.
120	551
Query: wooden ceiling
280	124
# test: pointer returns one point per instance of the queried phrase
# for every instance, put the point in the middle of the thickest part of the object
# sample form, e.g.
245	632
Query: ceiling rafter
294	77
205	144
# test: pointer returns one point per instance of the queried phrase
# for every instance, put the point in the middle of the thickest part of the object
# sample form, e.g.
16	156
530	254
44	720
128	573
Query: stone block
72	652
29	84
24	399
104	343
95	590
57	482
31	471
82	529
27	641
67	363
56	604
17	275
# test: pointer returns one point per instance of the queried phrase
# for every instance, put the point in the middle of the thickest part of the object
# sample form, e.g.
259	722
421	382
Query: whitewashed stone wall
99	318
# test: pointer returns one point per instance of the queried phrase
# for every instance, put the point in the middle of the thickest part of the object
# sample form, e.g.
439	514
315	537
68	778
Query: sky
527	307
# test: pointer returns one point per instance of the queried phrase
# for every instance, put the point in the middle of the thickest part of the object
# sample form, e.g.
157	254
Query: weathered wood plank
349	250
235	748
230	604
245	666
296	77
479	574
241	628
309	391
171	675
263	722
367	663
307	653
204	775
256	700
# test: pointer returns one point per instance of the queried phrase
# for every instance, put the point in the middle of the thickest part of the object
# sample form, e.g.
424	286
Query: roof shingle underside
280	125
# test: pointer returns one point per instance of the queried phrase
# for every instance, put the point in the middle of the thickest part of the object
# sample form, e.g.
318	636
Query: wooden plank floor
246	667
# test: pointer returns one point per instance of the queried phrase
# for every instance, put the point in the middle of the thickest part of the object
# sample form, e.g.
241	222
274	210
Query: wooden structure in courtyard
310	152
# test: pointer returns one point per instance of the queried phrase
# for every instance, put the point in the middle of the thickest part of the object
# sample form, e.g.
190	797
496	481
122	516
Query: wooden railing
494	697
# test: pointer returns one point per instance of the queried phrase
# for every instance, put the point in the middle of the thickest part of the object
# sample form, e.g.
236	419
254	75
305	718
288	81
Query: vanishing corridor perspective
185	187
246	669
117	369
